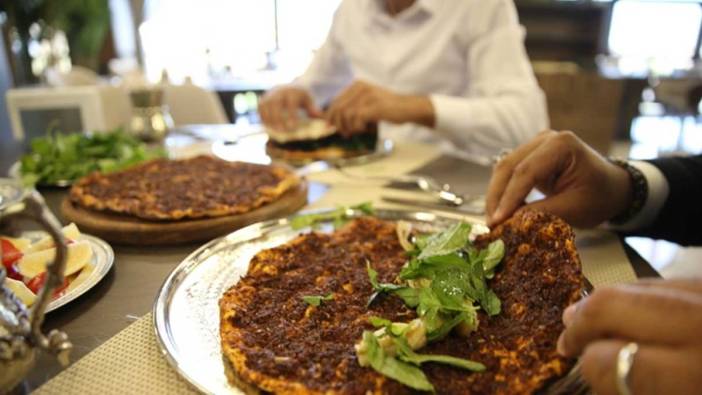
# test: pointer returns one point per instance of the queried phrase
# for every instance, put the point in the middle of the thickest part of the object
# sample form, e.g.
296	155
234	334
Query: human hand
580	185
663	316
363	103
278	108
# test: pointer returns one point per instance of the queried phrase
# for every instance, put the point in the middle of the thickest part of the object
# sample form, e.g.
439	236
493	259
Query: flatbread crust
309	129
276	343
198	187
324	153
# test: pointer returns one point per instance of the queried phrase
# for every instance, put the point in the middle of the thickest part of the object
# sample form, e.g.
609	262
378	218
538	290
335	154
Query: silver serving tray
186	311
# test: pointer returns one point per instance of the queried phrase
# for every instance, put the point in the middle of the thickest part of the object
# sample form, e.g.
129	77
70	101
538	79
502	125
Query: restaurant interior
152	140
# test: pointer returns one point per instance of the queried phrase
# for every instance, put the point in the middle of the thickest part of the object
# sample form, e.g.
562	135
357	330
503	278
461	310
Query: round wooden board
123	229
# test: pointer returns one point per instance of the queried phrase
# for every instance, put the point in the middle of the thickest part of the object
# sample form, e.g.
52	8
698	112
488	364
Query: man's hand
278	108
363	103
580	185
663	316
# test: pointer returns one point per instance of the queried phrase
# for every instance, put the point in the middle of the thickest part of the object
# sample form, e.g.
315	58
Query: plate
252	148
186	312
102	261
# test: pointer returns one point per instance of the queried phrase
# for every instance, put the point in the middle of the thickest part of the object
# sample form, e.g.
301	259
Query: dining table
110	325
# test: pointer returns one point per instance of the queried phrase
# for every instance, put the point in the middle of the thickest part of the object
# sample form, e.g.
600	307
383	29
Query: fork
425	183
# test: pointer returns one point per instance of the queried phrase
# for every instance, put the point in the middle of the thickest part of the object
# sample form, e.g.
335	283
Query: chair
583	102
190	104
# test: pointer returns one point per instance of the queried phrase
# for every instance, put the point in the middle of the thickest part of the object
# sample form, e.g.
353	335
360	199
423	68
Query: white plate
186	312
100	263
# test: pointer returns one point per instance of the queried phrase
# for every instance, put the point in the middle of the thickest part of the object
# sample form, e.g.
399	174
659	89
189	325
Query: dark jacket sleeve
680	219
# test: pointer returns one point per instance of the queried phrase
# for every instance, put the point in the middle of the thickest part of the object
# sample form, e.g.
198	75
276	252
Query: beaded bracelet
639	188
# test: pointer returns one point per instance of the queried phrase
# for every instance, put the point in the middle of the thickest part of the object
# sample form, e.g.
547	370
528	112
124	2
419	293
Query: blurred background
625	75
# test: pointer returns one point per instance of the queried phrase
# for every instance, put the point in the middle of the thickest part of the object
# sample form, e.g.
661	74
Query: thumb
569	206
312	110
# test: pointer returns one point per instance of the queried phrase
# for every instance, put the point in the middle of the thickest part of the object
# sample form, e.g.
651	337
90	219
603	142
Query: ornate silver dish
186	311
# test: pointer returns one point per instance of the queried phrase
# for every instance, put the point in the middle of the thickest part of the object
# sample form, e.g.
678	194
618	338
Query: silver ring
625	360
501	155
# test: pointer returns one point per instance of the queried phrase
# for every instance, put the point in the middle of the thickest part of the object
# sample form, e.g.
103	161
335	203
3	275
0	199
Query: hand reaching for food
363	103
279	108
580	185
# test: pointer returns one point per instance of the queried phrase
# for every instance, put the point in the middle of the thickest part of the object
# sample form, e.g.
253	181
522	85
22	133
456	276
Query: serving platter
186	312
252	148
124	229
100	264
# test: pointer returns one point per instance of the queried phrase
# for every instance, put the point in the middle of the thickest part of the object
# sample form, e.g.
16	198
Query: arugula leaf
316	300
446	242
379	322
406	354
495	252
339	216
409	295
446	326
389	366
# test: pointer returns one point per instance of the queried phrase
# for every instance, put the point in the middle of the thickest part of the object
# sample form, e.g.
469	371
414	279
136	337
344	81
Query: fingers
290	106
279	108
342	112
502	173
561	205
541	164
655	370
654	315
311	108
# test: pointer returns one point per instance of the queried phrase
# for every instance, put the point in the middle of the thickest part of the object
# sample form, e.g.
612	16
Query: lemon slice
69	231
21	291
32	264
20	243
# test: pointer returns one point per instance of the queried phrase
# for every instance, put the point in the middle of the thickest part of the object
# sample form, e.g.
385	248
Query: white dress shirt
466	55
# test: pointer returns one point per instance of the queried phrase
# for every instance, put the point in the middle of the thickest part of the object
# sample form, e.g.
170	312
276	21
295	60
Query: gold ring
625	360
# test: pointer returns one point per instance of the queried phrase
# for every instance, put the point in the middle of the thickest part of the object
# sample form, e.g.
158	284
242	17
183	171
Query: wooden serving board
124	229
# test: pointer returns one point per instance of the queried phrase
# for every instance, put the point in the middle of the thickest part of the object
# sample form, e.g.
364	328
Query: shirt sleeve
657	195
503	106
330	70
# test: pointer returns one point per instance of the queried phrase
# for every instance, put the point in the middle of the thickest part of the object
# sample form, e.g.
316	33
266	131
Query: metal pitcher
20	329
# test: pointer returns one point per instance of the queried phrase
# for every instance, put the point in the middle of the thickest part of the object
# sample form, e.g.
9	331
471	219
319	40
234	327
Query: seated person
454	68
652	326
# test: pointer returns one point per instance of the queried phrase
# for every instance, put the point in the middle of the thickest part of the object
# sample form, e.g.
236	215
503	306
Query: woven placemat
128	363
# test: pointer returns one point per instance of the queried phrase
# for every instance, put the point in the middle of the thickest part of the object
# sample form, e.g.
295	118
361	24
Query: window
211	40
655	34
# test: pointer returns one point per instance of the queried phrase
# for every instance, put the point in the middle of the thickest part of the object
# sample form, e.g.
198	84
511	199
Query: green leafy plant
59	157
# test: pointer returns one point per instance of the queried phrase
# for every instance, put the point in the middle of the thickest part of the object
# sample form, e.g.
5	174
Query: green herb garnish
59	157
445	280
316	300
338	216
390	366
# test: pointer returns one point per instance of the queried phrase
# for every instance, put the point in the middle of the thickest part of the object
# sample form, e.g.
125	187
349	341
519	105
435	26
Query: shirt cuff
450	114
657	195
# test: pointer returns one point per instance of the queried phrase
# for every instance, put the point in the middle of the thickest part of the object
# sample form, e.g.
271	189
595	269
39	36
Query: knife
471	207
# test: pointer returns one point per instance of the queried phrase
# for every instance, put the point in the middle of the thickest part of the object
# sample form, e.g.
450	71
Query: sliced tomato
13	273
37	282
10	254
